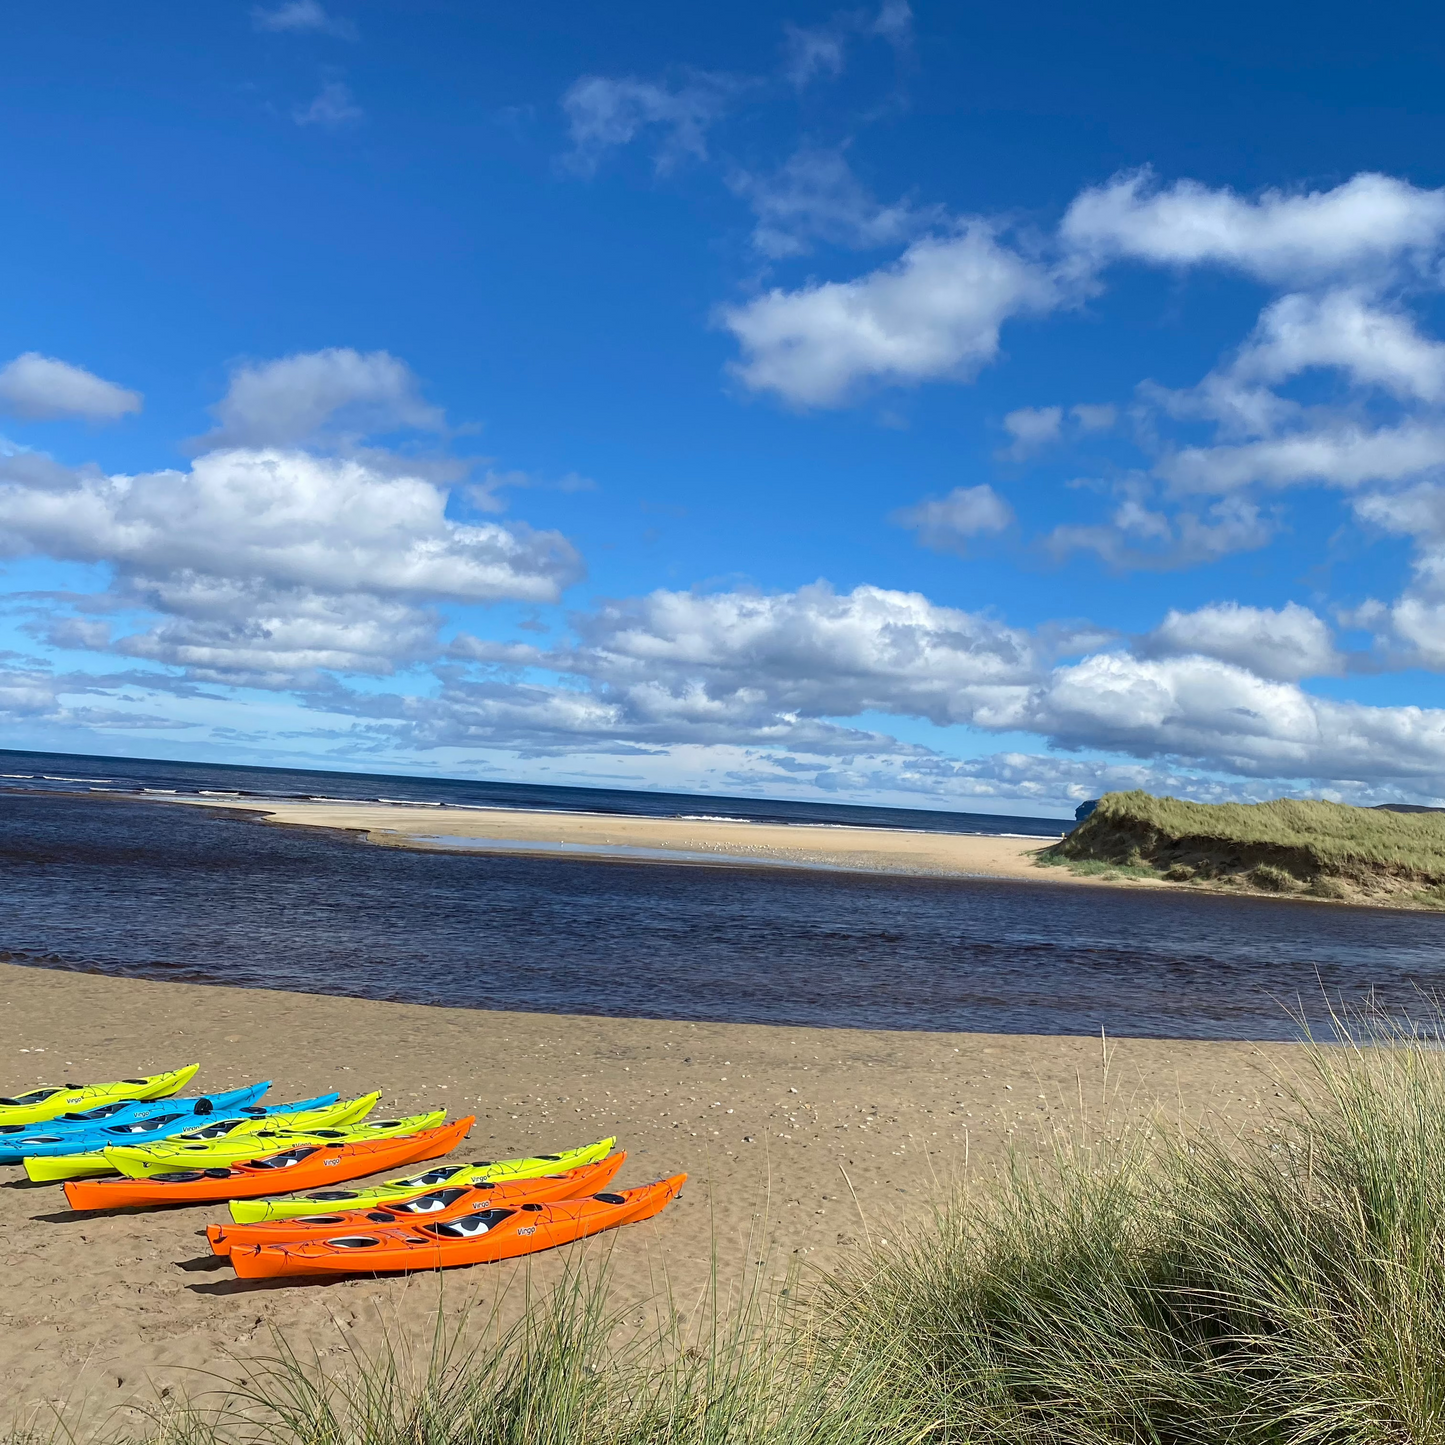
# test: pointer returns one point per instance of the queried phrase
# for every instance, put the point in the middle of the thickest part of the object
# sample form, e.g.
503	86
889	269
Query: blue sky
971	408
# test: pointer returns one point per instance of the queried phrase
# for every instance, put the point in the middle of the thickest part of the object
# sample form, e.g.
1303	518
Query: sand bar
779	1128
675	840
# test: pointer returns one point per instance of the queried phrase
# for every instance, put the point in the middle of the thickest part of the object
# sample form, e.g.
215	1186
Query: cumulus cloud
605	112
40	388
333	107
318	394
935	313
268	563
947	524
302	16
786	672
1368	222
1283	645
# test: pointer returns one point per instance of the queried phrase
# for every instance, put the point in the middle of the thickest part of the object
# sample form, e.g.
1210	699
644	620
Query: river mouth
110	885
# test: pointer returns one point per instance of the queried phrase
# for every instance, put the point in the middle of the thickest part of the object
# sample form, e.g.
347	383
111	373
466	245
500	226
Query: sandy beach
672	840
801	1144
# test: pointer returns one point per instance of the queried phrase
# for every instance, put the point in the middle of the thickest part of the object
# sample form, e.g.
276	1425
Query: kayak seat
146	1126
432	1176
610	1198
101	1111
472	1225
282	1161
36	1096
430	1203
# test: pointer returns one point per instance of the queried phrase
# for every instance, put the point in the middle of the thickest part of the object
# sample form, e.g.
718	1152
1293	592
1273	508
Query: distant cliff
1324	850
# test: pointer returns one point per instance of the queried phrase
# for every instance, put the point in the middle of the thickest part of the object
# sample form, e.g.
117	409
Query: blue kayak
84	1137
133	1111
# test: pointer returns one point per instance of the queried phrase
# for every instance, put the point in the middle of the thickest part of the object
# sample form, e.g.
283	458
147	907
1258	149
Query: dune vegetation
1174	1286
1323	850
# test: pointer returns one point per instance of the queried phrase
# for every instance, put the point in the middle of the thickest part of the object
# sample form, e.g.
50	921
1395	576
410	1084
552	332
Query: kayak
80	1133
438	1204
70	1133
133	1111
393	1191
141	1161
304	1163
37	1105
480	1238
82	1153
308	1114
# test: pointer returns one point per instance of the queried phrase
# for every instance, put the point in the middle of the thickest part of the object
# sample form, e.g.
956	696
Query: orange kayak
454	1203
480	1238
300	1167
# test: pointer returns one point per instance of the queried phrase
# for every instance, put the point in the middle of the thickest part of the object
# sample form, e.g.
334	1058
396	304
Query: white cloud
604	113
743	657
1138	537
1350	330
946	524
1033	427
1282	645
299	398
1368	223
333	108
1201	712
287	559
935	313
1347	455
741	671
299	16
814	196
40	388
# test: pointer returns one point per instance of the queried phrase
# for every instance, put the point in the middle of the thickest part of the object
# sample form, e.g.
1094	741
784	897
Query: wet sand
802	1145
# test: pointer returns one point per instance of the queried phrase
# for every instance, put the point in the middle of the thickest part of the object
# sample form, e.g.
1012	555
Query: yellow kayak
47	1169
146	1161
37	1105
397	1191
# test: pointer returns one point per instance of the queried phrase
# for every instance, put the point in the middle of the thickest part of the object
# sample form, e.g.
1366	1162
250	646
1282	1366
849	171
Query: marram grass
1276	846
1283	1287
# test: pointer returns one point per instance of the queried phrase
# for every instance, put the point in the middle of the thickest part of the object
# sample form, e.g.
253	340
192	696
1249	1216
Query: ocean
105	882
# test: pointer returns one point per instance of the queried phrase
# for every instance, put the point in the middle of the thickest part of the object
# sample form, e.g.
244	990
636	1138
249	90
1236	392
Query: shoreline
709	841
801	1145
